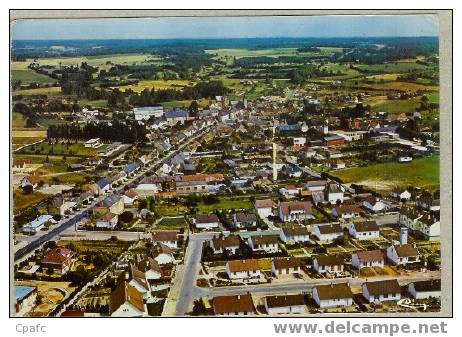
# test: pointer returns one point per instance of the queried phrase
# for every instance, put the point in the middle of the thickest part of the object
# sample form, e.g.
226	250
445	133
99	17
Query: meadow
421	172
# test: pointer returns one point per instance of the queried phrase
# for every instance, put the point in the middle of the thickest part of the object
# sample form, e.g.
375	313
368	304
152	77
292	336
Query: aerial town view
288	168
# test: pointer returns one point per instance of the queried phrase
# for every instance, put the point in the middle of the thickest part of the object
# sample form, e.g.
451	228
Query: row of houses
325	296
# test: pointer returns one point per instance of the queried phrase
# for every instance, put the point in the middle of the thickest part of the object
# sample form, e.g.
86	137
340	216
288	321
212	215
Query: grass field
172	223
18	120
227	203
270	52
21	201
403	86
394	106
51	91
60	149
28	76
157	84
27	133
395	67
203	102
422	172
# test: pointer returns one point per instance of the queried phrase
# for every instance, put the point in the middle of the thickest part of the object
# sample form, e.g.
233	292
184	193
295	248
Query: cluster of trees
123	131
301	74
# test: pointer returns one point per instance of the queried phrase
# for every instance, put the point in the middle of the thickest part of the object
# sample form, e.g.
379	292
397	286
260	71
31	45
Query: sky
225	27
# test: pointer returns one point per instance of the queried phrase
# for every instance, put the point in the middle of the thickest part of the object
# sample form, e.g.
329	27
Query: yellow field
29	133
401	86
99	60
39	91
157	84
385	77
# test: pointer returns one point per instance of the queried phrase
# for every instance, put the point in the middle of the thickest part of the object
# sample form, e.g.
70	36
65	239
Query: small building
364	230
328	263
333	295
346	211
375	205
37	224
126	301
334	193
295	211
162	254
264	207
294	234
285	266
166	237
425	289
381	291
230	243
403	254
243	220
328	232
107	221
285	304
206	221
401	194
368	258
299	141
333	140
111	204
59	260
243	269
265	243
94	143
234	305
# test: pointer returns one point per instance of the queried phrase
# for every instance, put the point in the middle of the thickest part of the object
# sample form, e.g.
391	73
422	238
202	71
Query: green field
51	91
60	149
28	76
396	67
269	52
395	105
227	203
172	223
422	172
18	120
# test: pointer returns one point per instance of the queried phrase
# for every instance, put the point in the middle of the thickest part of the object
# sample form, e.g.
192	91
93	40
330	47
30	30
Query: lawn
421	172
18	120
172	223
226	203
203	102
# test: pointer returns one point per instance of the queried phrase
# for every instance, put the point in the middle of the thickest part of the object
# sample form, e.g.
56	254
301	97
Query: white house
403	254
95	142
346	211
162	254
334	193
242	220
166	237
328	232
420	221
294	234
367	258
284	304
126	301
295	211
381	291
264	207
364	230
328	264
401	194
107	221
243	269
229	243
316	185
425	289
37	224
285	266
333	295
265	243
299	141
374	205
206	221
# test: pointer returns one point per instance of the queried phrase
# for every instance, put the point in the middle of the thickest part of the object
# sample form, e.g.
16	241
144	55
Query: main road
36	242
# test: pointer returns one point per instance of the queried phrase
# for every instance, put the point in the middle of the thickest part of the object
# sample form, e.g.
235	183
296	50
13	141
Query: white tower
403	236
